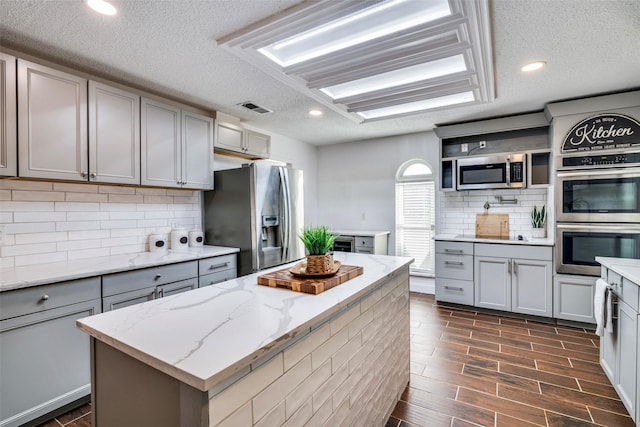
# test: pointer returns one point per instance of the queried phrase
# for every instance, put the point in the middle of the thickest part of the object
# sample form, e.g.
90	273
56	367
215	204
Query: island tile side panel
351	369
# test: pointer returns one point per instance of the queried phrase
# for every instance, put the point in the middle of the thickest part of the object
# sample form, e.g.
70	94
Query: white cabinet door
257	144
627	365
532	287
197	151
160	133
114	135
52	123
229	137
573	298
493	282
8	118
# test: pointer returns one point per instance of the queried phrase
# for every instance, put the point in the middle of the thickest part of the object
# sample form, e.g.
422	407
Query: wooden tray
492	225
284	279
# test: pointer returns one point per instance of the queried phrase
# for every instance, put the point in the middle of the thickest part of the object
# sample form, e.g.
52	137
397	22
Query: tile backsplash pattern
458	209
51	221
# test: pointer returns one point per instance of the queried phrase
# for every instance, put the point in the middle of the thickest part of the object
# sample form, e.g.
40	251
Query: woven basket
319	264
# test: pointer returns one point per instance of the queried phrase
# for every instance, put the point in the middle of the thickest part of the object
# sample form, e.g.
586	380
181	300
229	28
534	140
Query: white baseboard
423	285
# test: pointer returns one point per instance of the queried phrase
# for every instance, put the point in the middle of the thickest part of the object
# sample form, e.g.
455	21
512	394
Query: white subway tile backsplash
51	221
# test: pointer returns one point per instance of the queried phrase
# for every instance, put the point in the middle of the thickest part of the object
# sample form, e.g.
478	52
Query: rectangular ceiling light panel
381	19
412	107
400	77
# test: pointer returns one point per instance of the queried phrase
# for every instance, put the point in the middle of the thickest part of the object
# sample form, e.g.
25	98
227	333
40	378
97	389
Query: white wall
356	181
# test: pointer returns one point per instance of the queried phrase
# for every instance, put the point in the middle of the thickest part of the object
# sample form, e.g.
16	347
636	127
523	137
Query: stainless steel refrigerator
259	209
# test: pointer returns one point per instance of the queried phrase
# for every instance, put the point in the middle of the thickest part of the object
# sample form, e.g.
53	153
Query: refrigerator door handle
284	230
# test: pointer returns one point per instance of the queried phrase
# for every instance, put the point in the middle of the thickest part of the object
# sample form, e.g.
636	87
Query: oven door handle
613	172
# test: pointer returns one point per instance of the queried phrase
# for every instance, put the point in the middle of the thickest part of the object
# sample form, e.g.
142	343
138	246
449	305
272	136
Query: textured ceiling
591	47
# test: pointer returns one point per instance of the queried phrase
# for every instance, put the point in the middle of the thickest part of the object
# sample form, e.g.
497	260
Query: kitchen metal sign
603	132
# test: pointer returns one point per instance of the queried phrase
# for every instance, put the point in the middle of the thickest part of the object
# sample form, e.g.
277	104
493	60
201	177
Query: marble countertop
34	275
626	267
513	241
359	233
204	336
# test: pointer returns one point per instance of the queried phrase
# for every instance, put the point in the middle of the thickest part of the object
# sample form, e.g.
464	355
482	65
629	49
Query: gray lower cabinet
217	269
133	287
573	298
619	350
514	278
376	245
45	358
454	272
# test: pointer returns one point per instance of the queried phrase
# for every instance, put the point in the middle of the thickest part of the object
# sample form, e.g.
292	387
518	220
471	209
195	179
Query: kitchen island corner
240	354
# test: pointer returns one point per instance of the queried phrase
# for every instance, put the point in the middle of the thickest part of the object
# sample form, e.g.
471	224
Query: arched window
415	215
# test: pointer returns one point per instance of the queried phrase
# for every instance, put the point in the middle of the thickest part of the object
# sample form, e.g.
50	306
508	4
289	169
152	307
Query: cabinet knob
44	297
94	175
158	276
83	174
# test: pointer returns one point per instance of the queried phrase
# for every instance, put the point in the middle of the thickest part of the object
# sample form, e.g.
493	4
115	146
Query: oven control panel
623	159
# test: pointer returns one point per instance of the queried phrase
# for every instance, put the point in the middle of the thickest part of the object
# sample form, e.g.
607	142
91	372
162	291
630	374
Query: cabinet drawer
454	248
216	264
213	278
39	298
118	283
456	291
364	242
454	266
541	253
625	289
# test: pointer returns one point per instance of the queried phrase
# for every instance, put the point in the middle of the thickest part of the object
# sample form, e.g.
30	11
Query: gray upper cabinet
257	144
244	142
114	135
176	147
8	118
52	123
197	151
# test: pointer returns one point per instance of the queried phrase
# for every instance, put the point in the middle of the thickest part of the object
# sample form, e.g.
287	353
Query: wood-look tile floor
475	369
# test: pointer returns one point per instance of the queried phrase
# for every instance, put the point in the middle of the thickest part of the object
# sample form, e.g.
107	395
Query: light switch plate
1	235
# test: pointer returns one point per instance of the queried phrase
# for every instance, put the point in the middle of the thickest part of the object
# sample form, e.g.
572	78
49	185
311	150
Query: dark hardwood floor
475	369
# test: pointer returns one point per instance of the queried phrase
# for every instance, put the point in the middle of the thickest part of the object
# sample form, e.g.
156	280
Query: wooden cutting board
284	279
492	225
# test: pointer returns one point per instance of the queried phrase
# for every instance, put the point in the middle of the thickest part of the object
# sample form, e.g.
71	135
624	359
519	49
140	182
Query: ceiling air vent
253	107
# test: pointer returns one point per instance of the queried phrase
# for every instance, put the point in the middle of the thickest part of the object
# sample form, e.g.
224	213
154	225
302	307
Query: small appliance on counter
158	243
179	239
196	238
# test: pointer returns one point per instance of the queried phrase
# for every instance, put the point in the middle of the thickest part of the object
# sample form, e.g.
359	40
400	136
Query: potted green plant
318	241
538	218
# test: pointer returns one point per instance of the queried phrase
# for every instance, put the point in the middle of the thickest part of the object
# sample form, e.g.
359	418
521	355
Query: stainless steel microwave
496	171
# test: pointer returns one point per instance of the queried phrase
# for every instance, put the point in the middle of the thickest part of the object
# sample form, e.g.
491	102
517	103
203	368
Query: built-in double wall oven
597	210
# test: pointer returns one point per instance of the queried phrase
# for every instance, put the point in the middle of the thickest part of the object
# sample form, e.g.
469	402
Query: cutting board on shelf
284	279
492	225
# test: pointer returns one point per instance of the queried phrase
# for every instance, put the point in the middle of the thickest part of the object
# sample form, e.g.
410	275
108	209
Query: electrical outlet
464	147
1	234
483	144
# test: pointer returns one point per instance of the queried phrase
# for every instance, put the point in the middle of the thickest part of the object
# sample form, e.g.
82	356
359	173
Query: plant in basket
318	242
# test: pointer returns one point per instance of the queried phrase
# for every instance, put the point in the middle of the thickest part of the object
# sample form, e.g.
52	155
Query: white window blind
415	219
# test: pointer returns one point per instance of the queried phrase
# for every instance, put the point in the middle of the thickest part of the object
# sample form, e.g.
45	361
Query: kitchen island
240	354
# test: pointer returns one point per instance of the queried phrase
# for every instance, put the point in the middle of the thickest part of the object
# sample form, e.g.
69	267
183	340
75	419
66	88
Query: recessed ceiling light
315	113
102	7
533	66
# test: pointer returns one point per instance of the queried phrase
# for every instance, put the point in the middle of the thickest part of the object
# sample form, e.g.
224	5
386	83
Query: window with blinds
415	215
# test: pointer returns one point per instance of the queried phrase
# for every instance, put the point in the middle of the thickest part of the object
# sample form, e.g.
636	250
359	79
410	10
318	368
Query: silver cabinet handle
454	251
93	175
515	268
44	297
454	263
509	266
454	288
83	174
213	267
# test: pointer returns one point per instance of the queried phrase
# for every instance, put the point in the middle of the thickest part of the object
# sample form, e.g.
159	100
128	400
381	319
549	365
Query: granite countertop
203	336
626	267
359	233
42	274
512	241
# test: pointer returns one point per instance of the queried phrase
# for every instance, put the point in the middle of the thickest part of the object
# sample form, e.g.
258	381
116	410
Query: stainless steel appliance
344	244
578	244
497	171
259	209
597	208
